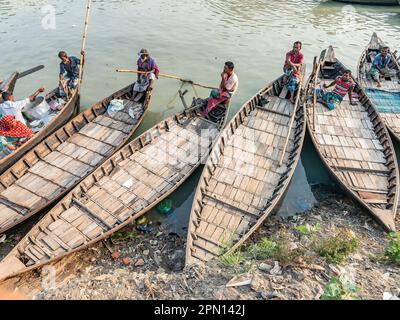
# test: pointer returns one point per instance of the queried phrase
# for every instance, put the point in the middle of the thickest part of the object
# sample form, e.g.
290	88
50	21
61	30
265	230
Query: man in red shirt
292	68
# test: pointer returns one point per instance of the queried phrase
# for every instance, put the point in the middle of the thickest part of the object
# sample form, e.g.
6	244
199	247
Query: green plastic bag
165	206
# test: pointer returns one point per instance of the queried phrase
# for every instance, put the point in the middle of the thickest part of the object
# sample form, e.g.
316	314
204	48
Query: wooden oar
88	2
292	118
30	71
170	76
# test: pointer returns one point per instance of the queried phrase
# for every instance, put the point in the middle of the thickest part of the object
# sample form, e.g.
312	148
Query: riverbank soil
303	257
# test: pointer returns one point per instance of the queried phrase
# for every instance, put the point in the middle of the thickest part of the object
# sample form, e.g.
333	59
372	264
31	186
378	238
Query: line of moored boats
100	182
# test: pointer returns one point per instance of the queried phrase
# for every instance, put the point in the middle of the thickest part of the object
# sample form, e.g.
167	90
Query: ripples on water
191	38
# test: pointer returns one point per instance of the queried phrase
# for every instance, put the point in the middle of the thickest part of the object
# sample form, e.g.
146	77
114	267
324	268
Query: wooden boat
244	179
386	98
57	164
58	120
354	144
123	188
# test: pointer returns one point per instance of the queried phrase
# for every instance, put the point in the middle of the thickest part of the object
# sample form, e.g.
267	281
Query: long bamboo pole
170	76
318	67
88	3
292	118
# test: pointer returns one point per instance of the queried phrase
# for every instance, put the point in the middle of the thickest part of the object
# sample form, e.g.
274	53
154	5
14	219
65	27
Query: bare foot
379	85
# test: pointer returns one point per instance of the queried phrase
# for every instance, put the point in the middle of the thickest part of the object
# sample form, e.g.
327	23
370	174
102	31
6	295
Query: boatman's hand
41	89
83	52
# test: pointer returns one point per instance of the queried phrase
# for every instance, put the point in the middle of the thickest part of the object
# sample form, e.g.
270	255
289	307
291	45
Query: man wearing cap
14	108
149	66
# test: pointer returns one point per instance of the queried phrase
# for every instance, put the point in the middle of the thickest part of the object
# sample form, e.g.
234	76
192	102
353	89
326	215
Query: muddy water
191	39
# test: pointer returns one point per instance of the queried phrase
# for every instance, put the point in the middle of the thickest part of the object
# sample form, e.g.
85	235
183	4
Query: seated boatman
69	68
227	88
14	108
342	85
292	69
148	65
380	66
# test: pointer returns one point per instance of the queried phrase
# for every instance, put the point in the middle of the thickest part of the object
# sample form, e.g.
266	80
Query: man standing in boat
148	68
380	66
292	69
227	88
69	69
14	108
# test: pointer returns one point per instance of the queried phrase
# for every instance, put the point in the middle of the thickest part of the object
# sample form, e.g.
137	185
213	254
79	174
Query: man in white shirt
227	88
14	108
229	79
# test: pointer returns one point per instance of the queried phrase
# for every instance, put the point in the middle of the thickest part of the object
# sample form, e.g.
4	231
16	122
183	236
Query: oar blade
30	71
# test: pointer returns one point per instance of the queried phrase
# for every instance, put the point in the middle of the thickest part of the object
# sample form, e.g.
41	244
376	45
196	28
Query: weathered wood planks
123	188
355	146
243	181
66	157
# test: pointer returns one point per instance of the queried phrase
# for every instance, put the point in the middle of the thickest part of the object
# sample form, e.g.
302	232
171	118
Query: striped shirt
342	87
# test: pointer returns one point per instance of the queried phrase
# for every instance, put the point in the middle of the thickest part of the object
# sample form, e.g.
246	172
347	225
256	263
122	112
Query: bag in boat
37	113
115	106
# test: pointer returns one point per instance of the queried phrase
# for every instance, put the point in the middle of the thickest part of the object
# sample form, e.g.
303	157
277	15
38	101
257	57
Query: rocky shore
332	251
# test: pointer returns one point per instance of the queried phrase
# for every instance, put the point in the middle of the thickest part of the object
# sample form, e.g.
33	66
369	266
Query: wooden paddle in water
170	76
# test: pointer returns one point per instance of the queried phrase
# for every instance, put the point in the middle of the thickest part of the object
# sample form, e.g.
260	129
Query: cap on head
144	51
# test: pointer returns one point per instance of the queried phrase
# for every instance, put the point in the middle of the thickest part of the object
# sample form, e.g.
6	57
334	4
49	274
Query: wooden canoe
56	165
123	188
243	181
354	144
59	120
386	98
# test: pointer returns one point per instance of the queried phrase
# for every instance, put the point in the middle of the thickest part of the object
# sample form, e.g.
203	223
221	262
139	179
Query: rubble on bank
146	261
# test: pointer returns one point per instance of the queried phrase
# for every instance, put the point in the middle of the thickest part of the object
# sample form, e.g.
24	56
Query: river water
192	39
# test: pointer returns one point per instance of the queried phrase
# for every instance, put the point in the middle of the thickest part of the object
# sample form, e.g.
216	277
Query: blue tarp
385	101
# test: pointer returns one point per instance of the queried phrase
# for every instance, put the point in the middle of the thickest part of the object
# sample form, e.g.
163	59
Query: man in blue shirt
380	65
69	68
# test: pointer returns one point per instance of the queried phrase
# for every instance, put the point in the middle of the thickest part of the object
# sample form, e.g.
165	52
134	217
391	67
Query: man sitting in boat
13	133
380	66
227	88
292	69
69	71
343	85
14	108
149	71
